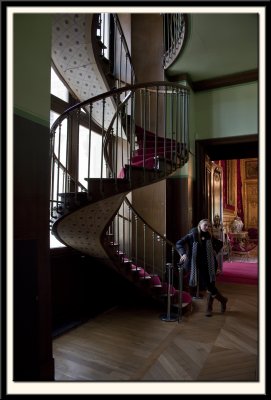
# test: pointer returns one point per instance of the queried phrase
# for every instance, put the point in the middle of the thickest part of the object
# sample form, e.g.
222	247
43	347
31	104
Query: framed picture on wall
251	168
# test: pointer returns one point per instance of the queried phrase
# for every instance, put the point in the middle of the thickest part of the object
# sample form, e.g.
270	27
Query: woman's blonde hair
199	224
203	220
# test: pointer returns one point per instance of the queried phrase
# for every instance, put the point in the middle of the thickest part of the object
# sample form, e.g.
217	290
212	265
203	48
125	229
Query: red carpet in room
239	272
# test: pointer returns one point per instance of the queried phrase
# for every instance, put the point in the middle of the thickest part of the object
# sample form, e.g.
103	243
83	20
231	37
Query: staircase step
148	163
110	234
149	159
73	200
135	268
148	145
151	155
100	188
113	244
127	262
154	168
137	173
72	195
156	281
172	290
186	299
184	305
151	137
144	275
145	278
150	151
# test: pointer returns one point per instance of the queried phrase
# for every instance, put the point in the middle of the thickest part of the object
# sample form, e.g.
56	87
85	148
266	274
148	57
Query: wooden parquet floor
133	344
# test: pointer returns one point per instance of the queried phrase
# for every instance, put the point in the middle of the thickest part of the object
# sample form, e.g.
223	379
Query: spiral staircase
144	132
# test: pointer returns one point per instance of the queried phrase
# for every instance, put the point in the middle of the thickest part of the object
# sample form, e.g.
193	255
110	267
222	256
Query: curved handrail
113	92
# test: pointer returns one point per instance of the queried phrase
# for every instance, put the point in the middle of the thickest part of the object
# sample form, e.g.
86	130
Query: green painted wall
33	356
220	113
32	66
229	111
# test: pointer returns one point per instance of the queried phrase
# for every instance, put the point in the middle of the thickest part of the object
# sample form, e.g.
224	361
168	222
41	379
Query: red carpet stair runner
153	149
157	288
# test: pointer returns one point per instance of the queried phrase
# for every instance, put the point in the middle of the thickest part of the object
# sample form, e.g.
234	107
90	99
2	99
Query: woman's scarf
194	271
193	281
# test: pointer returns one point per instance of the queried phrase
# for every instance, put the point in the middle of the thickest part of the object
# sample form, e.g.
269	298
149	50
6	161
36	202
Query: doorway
231	148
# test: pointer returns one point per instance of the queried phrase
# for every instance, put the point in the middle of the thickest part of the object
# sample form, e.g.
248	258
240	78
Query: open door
231	148
213	191
214	201
208	185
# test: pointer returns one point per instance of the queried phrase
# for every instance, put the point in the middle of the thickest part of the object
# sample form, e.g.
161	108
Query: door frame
230	148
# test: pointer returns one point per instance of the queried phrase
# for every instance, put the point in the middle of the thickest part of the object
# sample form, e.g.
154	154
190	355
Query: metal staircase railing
175	33
111	50
136	241
156	109
87	214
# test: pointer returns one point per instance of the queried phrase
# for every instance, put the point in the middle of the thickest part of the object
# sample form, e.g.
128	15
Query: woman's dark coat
189	245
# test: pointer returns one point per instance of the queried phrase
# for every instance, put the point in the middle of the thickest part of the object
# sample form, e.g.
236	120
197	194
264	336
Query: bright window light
58	88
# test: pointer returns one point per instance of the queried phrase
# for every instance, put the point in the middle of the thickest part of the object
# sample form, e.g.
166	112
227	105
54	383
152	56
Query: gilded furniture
240	245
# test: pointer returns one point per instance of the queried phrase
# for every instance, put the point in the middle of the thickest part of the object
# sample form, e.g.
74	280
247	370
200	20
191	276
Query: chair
240	249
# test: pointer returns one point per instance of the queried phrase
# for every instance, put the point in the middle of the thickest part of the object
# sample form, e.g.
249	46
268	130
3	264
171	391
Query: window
61	99
95	148
58	88
103	32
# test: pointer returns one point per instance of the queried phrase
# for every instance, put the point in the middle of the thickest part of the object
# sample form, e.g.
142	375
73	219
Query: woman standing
198	251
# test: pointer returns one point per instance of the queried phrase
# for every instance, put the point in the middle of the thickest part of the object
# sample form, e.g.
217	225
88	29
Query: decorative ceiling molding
227	80
218	82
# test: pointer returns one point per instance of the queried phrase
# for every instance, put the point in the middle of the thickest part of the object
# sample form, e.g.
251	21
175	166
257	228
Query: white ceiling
218	45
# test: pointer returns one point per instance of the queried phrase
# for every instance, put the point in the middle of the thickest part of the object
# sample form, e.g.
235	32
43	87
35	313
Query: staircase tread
140	167
107	180
184	304
135	268
70	194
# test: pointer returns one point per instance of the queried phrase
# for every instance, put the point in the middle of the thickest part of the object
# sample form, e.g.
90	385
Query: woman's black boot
223	300
209	309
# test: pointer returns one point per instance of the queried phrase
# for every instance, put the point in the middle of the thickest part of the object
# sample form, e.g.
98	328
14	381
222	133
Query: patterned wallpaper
74	59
